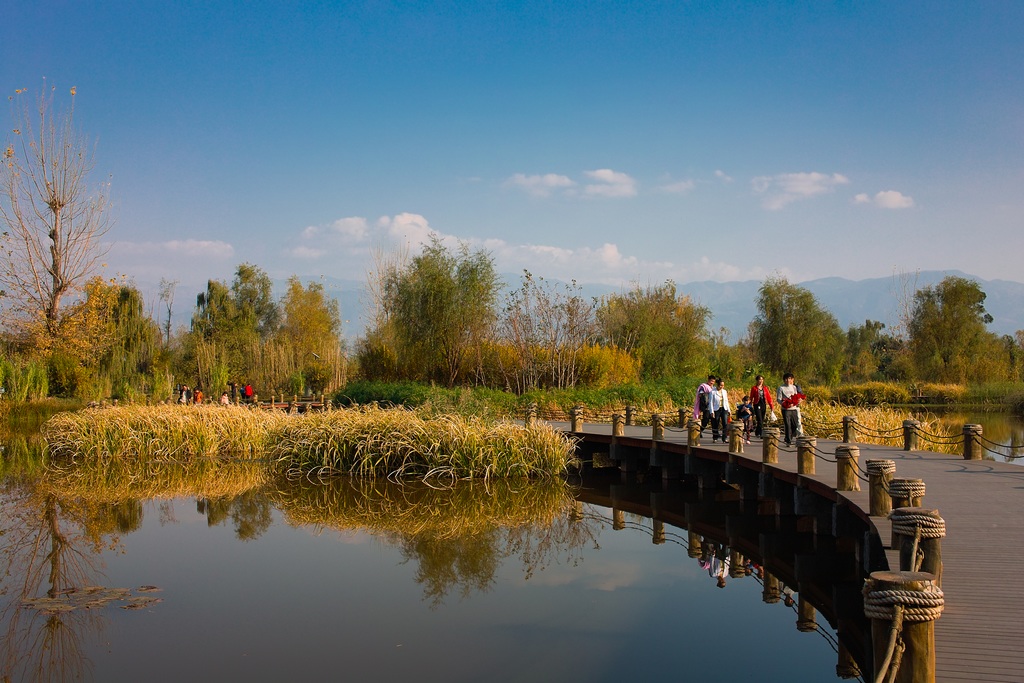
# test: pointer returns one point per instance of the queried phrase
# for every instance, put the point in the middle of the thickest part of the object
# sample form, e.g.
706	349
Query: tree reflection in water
458	536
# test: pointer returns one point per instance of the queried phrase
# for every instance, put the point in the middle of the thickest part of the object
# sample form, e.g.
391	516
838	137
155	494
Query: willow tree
53	222
947	329
441	306
664	330
793	333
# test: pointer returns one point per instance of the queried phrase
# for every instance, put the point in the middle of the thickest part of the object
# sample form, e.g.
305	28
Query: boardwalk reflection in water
266	579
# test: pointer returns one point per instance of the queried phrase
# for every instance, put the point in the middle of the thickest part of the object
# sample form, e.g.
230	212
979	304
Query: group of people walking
711	407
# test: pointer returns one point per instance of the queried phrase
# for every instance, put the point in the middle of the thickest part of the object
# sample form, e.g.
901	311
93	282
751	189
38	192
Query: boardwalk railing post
693	434
657	427
972	447
879	479
575	418
806	615
910	434
770	445
921	532
618	520
846	468
531	414
905	493
849	429
735	436
618	425
629	415
805	446
658	533
904	604
770	592
684	417
693	545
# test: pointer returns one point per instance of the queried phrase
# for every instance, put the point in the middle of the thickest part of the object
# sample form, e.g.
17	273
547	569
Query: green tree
665	331
793	333
439	308
254	301
947	329
311	329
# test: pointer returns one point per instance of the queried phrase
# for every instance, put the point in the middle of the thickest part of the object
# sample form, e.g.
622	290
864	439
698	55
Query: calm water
233	575
1003	432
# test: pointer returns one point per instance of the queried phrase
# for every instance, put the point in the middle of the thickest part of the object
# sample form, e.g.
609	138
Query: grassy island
367	442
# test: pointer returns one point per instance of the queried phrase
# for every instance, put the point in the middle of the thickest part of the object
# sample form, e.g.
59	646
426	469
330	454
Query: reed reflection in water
321	587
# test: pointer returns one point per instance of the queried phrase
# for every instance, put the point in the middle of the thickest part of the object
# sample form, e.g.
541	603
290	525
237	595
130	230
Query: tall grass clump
395	443
165	433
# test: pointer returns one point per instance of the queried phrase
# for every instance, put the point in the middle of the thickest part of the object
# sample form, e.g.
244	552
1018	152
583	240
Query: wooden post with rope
903	607
921	532
849	429
657	427
905	493
735	431
910	428
846	468
805	446
972	442
630	410
879	479
576	419
693	434
770	445
618	425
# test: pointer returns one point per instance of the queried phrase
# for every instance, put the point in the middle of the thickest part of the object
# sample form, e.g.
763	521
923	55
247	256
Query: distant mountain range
732	303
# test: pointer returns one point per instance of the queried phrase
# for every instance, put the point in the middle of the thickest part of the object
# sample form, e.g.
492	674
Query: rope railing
882	433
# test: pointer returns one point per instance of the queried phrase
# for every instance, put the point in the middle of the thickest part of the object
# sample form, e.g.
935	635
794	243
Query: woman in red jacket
761	398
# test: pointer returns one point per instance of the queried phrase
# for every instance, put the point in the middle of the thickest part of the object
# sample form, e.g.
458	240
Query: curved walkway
978	637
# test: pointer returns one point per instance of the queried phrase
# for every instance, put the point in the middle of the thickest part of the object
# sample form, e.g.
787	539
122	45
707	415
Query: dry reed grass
368	442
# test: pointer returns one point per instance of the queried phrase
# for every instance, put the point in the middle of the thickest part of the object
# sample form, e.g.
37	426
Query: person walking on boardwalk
745	414
790	396
761	401
702	403
719	410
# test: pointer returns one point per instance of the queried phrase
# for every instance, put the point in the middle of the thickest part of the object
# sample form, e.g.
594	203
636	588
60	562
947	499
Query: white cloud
307	253
410	228
785	188
887	199
215	249
721	175
354	228
610	184
539	185
681	187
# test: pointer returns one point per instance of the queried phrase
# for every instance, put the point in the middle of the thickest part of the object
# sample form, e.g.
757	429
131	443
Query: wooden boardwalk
978	636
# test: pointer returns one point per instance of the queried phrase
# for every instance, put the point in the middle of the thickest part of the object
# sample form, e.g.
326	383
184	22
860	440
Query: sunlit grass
881	425
400	443
367	442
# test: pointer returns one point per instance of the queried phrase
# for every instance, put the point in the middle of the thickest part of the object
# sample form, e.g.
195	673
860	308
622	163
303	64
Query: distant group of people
711	407
189	396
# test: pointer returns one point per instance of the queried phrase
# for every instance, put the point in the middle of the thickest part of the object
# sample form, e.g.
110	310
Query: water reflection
59	518
458	536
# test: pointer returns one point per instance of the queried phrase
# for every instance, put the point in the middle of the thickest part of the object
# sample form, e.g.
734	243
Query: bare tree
167	288
53	225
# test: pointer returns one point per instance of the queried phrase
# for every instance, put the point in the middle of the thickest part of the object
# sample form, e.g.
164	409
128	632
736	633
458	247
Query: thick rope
918	606
907	522
905	488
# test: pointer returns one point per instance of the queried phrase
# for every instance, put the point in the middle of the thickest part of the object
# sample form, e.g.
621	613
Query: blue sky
608	142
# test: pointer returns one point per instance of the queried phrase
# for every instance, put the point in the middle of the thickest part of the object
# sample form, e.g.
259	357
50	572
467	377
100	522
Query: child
745	412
